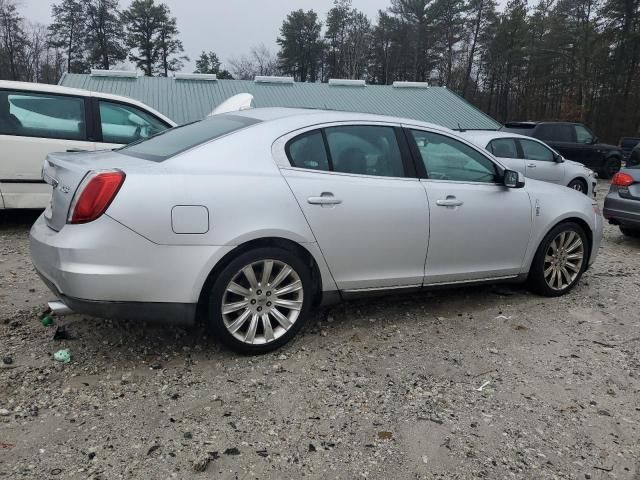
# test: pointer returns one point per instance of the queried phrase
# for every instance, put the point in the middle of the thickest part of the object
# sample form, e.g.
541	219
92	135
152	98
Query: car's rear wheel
578	185
260	300
630	232
560	260
611	167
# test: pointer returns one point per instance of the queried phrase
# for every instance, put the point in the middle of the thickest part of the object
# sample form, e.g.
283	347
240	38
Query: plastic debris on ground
63	356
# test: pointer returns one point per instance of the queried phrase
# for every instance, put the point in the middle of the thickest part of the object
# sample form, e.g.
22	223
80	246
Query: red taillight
95	194
622	179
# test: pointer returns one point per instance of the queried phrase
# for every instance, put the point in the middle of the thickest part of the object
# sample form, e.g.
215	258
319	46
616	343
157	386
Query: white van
37	119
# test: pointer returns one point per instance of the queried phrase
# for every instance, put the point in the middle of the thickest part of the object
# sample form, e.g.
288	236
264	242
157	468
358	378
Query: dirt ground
484	382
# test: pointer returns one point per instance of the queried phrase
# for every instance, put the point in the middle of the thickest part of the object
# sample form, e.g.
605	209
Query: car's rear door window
504	147
308	151
42	115
125	124
365	150
371	150
555	132
180	139
532	150
445	158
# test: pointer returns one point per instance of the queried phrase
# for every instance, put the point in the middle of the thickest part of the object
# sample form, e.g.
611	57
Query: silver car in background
259	216
535	159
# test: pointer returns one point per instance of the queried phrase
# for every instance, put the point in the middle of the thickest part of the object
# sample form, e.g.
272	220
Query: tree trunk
472	52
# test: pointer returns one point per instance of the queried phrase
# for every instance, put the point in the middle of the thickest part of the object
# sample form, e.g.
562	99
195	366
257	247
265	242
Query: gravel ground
487	382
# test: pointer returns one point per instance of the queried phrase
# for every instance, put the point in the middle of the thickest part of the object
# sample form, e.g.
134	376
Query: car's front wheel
560	260
578	185
260	300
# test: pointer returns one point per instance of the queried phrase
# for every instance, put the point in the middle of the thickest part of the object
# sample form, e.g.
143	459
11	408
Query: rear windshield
179	139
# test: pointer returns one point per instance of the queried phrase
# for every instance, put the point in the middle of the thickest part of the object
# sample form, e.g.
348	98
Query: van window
42	115
126	124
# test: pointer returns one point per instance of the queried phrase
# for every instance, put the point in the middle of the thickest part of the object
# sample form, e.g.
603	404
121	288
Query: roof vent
211	77
343	82
272	79
114	73
410	85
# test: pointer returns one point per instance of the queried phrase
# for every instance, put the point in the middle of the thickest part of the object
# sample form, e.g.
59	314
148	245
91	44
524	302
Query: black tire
215	319
611	167
630	232
536	280
579	185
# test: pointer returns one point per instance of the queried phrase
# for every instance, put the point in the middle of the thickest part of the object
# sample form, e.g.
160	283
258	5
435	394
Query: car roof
301	115
533	123
483	137
46	88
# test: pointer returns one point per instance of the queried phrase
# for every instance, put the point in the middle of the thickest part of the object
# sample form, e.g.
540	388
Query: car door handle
531	165
76	150
326	198
450	202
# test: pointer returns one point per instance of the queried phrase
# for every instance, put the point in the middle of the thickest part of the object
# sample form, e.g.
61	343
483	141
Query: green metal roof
188	100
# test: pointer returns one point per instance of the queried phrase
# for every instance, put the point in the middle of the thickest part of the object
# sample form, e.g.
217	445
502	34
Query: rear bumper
621	211
105	269
175	313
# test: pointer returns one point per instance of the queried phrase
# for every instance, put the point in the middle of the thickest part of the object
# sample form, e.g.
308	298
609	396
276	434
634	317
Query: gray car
257	217
622	203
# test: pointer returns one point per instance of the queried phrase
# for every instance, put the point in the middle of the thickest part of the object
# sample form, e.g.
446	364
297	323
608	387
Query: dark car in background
627	145
575	142
634	156
622	203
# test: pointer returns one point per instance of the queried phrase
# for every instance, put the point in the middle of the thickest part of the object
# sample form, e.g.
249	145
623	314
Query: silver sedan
535	159
257	217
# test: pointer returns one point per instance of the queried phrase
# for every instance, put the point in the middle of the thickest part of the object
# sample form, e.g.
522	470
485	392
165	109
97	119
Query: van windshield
179	139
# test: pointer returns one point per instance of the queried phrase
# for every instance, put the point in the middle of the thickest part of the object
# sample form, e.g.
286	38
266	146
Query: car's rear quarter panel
237	181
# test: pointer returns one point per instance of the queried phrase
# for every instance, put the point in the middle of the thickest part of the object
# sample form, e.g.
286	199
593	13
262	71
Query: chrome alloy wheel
578	187
262	302
563	260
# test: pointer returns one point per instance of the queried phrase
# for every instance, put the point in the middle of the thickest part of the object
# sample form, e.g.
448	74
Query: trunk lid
65	171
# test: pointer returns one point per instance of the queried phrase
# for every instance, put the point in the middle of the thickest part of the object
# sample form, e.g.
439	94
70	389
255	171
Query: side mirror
594	140
558	158
513	179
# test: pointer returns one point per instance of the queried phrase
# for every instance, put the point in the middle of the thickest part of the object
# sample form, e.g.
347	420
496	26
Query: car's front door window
445	158
583	135
536	151
123	124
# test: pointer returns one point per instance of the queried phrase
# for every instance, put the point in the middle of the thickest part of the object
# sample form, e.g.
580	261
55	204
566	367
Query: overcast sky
229	28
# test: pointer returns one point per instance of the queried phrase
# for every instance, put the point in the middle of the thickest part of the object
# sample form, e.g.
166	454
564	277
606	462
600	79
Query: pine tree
104	34
67	32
